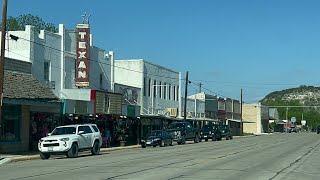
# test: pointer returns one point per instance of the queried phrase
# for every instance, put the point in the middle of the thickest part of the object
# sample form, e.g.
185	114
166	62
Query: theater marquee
83	55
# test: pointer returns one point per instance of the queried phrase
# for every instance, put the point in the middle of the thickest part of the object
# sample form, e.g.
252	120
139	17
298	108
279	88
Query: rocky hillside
300	96
305	95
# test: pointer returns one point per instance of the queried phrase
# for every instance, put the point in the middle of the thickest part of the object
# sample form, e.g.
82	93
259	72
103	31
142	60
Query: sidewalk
24	156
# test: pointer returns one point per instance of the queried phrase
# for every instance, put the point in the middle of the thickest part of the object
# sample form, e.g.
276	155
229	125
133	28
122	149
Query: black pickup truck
225	132
183	131
210	132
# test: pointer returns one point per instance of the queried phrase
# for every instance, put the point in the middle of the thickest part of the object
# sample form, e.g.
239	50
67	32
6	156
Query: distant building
255	118
224	110
273	115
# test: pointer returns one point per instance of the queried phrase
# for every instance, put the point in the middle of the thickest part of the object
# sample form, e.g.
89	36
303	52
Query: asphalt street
275	156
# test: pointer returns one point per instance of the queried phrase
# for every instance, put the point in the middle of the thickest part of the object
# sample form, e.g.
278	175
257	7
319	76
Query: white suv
71	139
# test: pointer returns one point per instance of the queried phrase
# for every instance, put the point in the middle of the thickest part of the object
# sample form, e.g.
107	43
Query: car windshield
155	133
175	125
63	130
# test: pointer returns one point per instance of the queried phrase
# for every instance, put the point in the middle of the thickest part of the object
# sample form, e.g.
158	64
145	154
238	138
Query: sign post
293	120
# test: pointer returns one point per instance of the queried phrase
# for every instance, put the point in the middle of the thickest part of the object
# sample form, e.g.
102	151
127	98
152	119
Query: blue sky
260	46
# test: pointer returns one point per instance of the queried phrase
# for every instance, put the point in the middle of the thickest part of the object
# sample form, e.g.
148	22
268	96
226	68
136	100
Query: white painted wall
129	72
133	72
19	49
259	112
99	65
76	94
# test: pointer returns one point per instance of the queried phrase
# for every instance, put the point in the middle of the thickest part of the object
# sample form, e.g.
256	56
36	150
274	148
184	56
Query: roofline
72	125
148	62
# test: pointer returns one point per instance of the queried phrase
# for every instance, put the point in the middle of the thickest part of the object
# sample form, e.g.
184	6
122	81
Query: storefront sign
130	95
108	103
83	55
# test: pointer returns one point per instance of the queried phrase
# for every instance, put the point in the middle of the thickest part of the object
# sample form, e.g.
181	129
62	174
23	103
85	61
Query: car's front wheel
44	155
73	151
96	148
171	142
196	139
162	144
214	138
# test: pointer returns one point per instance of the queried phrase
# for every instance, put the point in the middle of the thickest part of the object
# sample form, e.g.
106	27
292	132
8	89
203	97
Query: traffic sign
293	119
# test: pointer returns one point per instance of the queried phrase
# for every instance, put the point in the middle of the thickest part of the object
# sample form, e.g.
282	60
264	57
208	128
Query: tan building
255	118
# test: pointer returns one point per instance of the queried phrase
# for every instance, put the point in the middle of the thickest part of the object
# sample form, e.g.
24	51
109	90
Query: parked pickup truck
210	132
183	131
225	132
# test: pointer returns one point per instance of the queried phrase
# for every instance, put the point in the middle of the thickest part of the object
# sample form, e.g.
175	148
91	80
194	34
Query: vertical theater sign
83	55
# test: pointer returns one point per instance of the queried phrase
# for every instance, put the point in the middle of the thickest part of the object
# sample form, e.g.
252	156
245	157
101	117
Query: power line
155	75
210	90
67	70
248	83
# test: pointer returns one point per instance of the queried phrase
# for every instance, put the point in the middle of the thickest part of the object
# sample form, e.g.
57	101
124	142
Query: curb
119	148
245	136
5	160
25	158
34	157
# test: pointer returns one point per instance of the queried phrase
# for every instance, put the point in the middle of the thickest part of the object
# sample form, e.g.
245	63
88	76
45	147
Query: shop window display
11	123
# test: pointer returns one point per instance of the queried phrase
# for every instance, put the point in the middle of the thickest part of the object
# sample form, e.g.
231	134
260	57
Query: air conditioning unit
173	112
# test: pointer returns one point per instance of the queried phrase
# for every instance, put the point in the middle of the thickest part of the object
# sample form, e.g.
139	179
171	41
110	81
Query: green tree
19	23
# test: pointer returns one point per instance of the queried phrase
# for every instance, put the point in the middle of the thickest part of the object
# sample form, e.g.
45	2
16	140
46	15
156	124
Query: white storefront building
55	61
160	86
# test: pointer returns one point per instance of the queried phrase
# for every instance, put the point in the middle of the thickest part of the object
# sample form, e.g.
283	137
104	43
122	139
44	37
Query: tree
19	23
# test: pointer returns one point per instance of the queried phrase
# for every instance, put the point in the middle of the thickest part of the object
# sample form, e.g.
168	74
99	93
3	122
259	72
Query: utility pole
287	113
241	125
185	96
200	85
3	41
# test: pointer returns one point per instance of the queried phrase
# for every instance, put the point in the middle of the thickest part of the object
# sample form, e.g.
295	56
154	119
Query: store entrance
41	124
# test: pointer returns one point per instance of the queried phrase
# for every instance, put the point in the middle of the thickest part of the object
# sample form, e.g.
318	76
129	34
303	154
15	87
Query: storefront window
11	123
41	124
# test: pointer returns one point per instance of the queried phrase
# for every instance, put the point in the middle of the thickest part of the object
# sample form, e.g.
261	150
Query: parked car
210	132
293	129
318	129
157	138
69	140
183	131
225	132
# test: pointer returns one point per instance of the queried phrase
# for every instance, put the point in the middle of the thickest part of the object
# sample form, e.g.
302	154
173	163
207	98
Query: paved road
277	156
